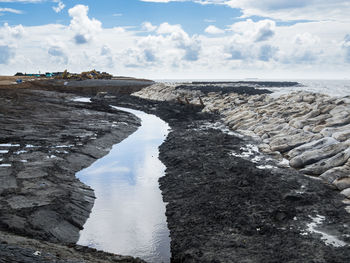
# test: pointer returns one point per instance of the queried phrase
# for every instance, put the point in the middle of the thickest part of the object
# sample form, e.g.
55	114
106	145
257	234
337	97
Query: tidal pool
128	216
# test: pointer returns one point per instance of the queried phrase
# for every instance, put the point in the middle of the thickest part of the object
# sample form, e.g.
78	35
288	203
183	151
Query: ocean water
334	88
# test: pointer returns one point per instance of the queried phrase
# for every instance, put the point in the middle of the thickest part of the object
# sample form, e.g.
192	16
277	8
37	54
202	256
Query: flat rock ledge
45	138
310	130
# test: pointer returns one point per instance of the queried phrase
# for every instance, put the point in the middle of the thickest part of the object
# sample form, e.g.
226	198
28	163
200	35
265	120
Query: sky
178	39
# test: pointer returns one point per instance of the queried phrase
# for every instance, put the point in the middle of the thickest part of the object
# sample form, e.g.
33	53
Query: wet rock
335	173
317	144
40	195
342	135
342	183
7	181
286	143
346	192
326	164
313	156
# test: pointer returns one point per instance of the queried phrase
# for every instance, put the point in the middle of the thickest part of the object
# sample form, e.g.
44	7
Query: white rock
286	143
317	144
337	172
326	164
342	183
346	192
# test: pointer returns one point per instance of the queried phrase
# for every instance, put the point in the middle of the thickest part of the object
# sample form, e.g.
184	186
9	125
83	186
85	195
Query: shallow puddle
128	217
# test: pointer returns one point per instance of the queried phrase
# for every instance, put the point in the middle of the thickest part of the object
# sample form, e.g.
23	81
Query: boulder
326	164
342	135
346	192
329	131
286	143
338	120
317	144
336	173
342	183
313	156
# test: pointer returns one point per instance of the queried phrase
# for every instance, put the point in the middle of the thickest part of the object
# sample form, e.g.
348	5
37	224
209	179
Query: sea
333	88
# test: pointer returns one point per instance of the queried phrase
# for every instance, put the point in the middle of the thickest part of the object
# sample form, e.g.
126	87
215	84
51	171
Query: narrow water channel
128	217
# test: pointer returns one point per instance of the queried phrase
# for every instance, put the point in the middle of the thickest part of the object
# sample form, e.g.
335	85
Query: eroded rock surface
45	138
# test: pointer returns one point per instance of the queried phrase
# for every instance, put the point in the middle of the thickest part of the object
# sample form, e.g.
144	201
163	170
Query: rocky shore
223	208
223	205
311	131
45	138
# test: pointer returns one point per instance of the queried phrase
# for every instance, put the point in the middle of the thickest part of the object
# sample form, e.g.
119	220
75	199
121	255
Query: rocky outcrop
311	130
45	138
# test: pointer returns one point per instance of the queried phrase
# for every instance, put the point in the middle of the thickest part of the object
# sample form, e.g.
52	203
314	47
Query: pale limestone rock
317	144
342	135
264	148
347	209
346	192
326	164
316	155
342	183
335	173
340	110
329	131
338	120
325	108
287	143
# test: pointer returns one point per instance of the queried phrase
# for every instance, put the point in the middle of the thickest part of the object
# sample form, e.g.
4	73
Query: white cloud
10	10
85	28
214	30
257	31
60	6
283	9
294	10
248	48
9	32
6	53
148	26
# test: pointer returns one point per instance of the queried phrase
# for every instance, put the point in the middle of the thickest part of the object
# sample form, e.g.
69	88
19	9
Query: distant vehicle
19	81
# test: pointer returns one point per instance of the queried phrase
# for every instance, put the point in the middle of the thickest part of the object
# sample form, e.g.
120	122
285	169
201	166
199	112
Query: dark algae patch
224	89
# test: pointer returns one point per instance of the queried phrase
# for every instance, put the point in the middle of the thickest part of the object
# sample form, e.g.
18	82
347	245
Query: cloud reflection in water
128	217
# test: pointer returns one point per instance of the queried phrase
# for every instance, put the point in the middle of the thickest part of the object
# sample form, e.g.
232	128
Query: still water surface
128	217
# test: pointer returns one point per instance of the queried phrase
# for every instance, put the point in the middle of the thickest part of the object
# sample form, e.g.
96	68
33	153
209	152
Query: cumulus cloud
214	30
6	53
85	28
8	32
148	26
305	48
181	40
166	50
58	53
257	31
267	52
60	6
